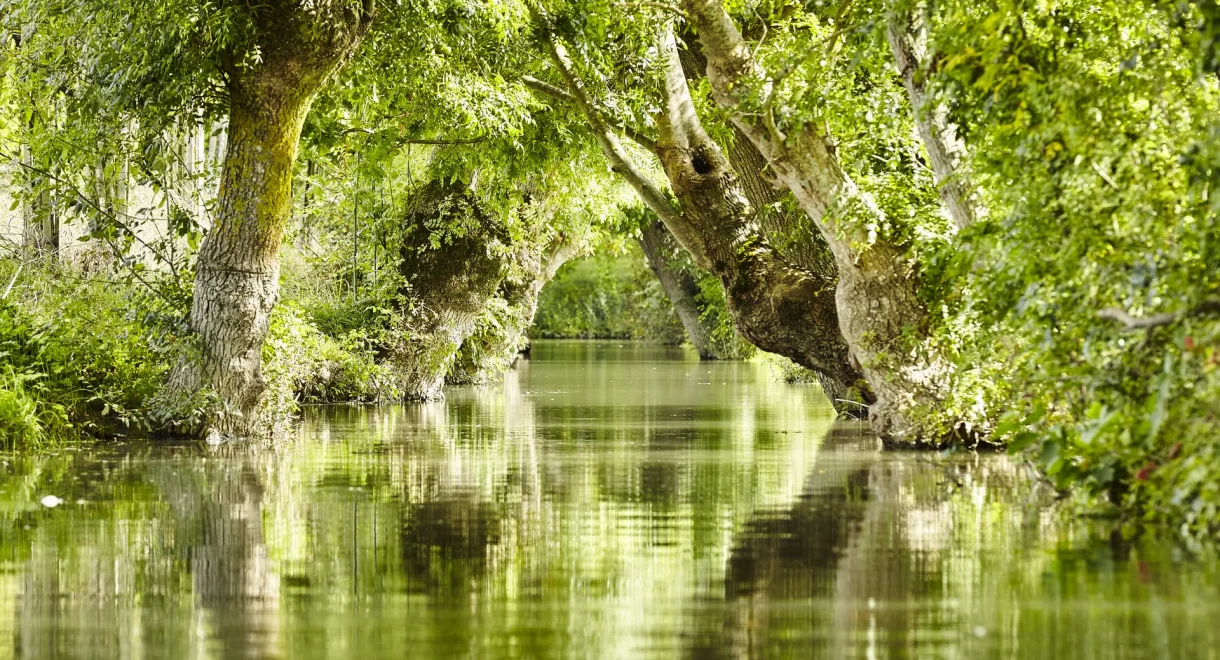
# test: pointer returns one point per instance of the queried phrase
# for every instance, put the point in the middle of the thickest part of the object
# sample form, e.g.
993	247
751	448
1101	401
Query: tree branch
547	89
370	132
555	92
443	142
114	218
663	6
1135	323
1130	322
620	162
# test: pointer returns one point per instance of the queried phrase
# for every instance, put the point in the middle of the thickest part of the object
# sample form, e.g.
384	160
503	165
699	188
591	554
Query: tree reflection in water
604	501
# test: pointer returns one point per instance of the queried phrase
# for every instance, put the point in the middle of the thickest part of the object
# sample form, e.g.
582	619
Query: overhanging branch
559	94
1135	323
547	89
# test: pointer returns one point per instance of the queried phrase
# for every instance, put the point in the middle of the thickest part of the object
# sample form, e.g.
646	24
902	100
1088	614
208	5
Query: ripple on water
607	500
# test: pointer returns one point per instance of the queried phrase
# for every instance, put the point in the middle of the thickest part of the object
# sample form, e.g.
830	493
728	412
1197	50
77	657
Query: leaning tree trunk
679	284
493	347
938	134
237	273
786	227
454	256
877	295
774	304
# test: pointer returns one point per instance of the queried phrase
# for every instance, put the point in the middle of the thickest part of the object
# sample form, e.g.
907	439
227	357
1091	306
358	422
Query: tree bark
451	278
939	136
493	347
774	304
237	275
680	285
789	230
40	229
877	295
39	222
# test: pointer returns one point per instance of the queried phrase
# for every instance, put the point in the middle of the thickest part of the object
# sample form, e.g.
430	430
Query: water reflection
607	500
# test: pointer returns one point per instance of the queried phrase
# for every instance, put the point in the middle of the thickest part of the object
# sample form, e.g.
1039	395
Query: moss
454	256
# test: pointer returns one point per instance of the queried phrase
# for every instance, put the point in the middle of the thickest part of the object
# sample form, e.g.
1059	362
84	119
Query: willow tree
880	308
298	49
260	65
775	304
454	256
1098	154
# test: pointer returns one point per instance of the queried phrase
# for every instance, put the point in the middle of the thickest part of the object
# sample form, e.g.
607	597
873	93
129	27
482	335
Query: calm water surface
608	500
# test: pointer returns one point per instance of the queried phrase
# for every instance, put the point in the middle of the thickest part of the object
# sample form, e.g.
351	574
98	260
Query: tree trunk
237	274
938	134
40	229
788	229
877	295
39	223
451	278
775	305
680	285
493	348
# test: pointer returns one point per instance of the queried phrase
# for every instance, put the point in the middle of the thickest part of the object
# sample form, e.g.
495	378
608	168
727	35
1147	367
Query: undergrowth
86	357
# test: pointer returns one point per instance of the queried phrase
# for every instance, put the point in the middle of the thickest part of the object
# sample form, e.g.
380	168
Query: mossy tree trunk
775	305
877	295
454	258
237	276
680	285
785	226
493	347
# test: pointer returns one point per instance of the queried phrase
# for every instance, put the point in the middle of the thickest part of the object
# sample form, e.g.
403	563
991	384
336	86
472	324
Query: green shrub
303	365
79	351
26	421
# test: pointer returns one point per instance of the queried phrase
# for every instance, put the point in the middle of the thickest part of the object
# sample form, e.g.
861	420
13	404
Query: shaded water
608	500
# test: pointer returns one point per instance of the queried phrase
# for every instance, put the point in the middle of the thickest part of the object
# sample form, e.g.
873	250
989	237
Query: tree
299	49
680	285
908	41
775	305
878	294
454	257
500	334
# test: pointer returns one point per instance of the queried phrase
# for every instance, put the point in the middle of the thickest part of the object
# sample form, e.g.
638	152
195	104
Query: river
607	500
